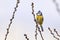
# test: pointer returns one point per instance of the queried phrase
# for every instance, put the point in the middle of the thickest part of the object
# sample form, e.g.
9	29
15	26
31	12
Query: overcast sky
24	21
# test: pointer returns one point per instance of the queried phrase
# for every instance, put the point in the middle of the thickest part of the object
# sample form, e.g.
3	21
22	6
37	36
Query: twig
36	23
56	32
40	33
36	32
26	36
34	20
57	5
11	20
53	34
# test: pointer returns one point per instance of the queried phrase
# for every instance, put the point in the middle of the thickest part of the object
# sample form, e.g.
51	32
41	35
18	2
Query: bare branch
57	5
26	36
40	33
11	20
53	34
36	23
56	32
34	20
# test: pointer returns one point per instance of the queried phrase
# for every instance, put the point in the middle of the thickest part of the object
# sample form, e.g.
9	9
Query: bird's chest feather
39	18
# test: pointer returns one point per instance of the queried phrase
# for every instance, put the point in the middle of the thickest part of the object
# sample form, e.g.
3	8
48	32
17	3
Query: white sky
23	21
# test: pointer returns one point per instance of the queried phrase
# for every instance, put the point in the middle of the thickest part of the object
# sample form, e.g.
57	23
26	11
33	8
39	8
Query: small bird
39	19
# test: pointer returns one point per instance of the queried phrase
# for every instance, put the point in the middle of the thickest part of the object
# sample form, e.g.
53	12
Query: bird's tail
42	28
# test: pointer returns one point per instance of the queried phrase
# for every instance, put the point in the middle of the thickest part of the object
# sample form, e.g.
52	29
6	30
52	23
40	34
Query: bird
39	19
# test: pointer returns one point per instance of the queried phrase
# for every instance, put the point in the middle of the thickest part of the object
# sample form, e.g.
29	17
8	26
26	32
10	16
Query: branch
57	5
26	36
36	23
34	20
11	20
53	34
40	33
56	32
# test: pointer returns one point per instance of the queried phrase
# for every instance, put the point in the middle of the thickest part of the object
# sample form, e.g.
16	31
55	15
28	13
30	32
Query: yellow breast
39	19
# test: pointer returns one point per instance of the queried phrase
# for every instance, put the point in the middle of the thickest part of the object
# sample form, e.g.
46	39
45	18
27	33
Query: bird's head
39	13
